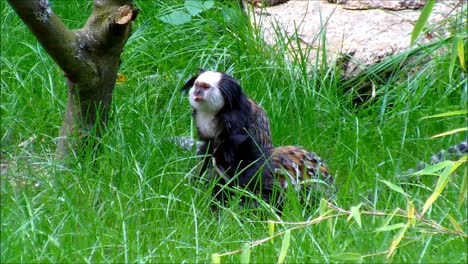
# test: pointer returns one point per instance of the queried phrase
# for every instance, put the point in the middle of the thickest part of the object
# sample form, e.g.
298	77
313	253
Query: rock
259	3
382	4
367	35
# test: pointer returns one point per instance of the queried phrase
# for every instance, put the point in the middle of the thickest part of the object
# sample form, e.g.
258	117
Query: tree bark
89	58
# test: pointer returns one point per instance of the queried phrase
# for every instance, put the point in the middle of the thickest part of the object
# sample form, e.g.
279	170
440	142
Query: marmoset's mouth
198	99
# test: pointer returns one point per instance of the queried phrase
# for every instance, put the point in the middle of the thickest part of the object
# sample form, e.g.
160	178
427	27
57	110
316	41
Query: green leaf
463	189
423	17
356	214
387	220
323	206
451	132
195	7
176	18
215	258
271	228
396	240
452	113
394	187
461	53
455	224
348	257
245	254
284	246
453	57
441	183
430	170
410	213
390	227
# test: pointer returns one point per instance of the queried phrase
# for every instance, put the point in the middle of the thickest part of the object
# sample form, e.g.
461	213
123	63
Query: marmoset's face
205	94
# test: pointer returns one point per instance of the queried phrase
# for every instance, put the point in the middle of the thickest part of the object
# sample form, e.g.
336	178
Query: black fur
190	82
249	167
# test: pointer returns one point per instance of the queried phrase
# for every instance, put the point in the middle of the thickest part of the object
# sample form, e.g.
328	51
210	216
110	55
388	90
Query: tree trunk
89	58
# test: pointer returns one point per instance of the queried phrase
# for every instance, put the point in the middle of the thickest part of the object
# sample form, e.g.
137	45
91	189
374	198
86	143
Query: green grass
134	202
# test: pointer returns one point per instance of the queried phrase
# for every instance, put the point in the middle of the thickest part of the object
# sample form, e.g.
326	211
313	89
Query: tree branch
89	57
50	31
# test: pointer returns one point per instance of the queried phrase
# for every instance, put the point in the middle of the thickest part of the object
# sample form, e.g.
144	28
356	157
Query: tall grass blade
456	225
284	246
463	189
453	57
461	53
447	114
422	20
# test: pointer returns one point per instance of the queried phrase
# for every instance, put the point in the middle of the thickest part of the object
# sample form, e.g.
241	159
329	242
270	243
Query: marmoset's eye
205	86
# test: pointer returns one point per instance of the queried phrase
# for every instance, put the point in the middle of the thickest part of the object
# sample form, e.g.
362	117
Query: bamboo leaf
423	17
348	257
271	228
455	224
396	240
411	211
245	254
394	187
451	113
451	132
443	180
387	220
434	168
215	258
390	227
356	214
441	183
323	211
323	207
461	53
284	246
458	163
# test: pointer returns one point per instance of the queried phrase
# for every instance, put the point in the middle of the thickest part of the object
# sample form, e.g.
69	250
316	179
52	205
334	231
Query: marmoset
236	137
221	109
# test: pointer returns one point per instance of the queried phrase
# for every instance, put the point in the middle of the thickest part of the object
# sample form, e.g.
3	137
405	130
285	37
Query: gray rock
369	35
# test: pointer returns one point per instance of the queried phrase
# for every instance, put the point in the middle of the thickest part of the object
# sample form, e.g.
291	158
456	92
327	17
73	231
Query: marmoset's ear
190	82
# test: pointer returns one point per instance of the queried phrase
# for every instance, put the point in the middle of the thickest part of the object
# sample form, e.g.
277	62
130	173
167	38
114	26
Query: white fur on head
213	99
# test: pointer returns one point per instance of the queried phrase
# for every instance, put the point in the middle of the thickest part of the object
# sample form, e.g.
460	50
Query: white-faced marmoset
236	139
